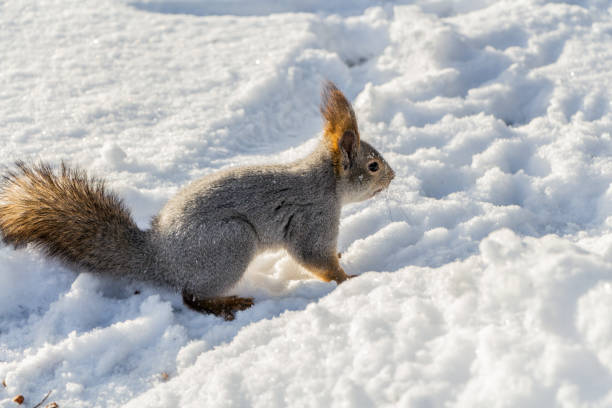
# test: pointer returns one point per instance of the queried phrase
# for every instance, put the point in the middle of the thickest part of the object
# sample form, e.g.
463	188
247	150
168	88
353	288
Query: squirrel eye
373	167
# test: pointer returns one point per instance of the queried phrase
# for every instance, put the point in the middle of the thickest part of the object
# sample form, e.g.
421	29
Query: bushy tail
71	216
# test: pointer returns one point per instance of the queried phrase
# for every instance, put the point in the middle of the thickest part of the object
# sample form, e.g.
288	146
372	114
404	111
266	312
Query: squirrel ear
348	148
339	120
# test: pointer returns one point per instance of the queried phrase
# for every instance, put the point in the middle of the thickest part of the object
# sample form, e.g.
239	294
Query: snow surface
486	268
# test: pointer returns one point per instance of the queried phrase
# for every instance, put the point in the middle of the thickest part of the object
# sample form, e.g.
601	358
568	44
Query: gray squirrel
202	240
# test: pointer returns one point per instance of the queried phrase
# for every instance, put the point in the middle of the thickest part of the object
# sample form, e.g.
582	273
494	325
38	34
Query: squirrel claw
344	278
347	278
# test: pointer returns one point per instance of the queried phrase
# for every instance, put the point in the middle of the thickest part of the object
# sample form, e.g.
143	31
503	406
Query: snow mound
491	328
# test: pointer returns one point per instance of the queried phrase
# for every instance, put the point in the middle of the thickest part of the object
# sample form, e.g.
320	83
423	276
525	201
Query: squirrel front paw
344	278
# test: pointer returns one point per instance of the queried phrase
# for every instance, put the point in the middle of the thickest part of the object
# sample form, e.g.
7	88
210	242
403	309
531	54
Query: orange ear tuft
339	117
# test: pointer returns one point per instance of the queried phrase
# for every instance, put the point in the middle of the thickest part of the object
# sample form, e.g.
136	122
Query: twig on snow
43	400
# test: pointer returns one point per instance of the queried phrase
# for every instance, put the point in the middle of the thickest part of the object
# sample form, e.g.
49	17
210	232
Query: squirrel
203	239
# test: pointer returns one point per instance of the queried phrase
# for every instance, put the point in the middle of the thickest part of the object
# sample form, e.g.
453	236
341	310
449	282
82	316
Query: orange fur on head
339	117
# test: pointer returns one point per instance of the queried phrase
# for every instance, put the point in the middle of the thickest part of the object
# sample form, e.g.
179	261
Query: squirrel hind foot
225	307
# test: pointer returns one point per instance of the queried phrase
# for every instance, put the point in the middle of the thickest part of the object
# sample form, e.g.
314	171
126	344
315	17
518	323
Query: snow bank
494	329
486	269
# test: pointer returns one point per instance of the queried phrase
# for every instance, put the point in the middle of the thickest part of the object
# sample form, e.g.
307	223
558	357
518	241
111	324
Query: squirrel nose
391	174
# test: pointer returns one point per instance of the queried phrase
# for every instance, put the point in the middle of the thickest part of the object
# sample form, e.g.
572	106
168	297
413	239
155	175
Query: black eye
373	167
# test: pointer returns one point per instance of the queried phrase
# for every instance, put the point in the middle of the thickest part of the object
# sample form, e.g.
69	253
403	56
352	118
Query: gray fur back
209	232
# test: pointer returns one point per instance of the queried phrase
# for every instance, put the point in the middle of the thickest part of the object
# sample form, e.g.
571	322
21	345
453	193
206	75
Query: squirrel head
361	171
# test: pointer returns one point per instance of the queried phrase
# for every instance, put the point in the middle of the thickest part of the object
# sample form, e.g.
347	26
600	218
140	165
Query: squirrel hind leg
225	306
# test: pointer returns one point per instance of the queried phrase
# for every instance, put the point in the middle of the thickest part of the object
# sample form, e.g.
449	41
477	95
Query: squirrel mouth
380	189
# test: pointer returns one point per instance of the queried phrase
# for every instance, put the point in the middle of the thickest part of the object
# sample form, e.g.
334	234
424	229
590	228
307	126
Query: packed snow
485	269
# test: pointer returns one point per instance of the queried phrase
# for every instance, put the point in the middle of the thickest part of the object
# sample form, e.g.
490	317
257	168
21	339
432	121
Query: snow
485	269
